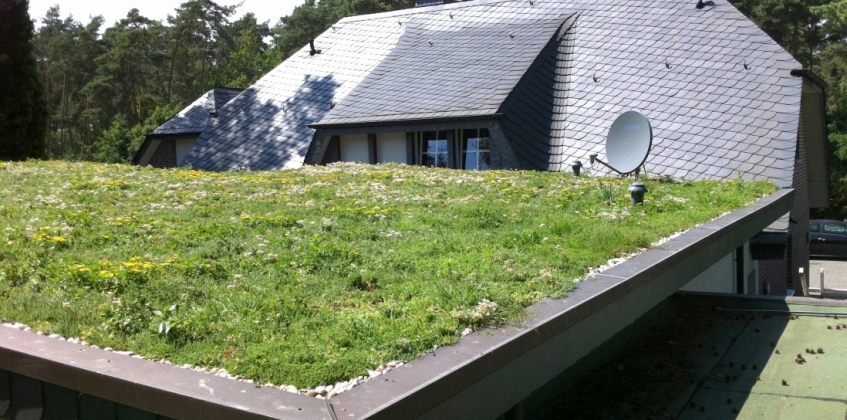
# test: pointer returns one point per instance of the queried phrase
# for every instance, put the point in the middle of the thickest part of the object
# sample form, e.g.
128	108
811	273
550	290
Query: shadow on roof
711	356
257	132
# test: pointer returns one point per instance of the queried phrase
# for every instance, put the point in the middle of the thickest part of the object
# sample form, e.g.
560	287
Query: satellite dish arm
593	157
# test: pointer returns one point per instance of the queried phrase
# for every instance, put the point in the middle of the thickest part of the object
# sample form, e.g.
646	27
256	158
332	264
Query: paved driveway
835	275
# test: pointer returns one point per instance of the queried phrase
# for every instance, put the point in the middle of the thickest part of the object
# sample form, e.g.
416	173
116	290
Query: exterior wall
391	147
781	275
333	151
772	276
368	145
812	114
798	225
722	277
34	399
354	148
534	112
751	272
165	155
719	278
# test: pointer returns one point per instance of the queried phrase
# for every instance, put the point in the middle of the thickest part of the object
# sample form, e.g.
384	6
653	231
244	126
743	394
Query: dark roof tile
705	102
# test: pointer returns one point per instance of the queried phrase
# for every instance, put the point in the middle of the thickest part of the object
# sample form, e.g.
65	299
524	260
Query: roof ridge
424	9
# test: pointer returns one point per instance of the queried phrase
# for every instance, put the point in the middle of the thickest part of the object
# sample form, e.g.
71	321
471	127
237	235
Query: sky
115	10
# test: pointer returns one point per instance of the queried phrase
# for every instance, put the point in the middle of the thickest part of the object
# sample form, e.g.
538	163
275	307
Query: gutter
811	75
407	121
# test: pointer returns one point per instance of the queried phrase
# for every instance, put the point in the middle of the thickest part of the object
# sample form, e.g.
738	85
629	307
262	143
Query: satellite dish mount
627	144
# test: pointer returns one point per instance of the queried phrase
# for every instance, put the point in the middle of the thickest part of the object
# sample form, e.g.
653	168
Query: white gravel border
320	392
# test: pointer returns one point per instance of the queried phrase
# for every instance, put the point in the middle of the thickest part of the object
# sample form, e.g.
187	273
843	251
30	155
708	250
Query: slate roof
449	69
718	90
195	117
711	116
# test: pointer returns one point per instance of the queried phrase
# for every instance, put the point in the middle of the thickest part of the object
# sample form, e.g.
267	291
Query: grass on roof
314	275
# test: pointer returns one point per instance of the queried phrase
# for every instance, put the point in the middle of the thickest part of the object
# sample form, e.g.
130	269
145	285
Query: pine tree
23	109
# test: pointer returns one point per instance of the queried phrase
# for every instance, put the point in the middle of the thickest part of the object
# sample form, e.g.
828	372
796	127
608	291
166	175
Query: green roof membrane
707	357
822	378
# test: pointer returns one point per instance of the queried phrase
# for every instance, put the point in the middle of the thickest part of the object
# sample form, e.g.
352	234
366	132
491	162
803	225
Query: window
814	227
834	228
476	149
434	149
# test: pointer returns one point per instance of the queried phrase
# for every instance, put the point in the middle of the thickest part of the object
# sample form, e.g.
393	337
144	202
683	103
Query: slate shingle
707	102
195	117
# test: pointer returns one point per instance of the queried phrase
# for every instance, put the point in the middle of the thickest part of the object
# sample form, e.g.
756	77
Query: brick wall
165	155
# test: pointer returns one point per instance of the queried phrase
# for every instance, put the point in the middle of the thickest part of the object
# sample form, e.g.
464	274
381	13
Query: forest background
107	87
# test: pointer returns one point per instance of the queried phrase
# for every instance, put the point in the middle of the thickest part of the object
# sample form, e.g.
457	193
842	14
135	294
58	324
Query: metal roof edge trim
166	390
485	363
164	136
795	300
319	126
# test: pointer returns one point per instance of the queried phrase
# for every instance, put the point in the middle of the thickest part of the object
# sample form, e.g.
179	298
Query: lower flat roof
710	356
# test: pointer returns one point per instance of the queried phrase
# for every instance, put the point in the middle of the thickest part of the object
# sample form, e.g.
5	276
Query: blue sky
112	11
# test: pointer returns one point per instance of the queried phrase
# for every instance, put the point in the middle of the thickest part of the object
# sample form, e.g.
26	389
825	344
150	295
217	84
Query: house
536	84
169	144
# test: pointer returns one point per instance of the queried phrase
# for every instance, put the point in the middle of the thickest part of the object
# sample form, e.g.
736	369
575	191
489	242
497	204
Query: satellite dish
629	142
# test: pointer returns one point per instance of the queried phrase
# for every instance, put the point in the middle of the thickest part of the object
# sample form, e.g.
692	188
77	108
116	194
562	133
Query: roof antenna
511	34
284	110
313	51
451	15
667	63
700	4
400	23
430	41
746	67
331	105
531	2
595	78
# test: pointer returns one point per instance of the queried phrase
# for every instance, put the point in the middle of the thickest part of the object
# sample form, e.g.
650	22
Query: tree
250	60
791	23
66	51
23	110
130	72
196	33
119	142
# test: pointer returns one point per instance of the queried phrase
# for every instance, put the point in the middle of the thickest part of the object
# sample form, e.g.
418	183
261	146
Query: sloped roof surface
267	126
716	89
195	117
462	67
684	69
